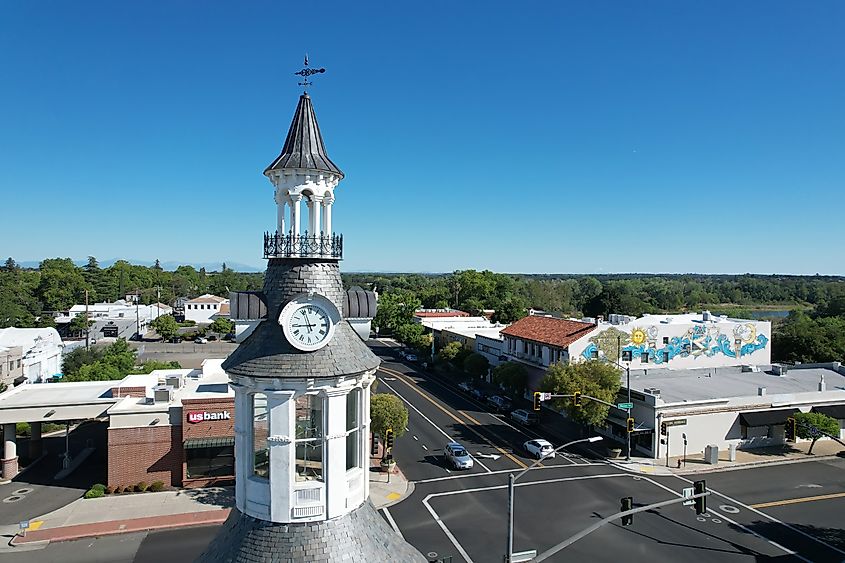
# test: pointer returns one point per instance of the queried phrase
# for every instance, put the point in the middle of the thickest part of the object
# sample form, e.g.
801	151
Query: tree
509	311
78	325
512	376
387	412
802	338
596	379
449	352
476	365
10	265
222	326
77	358
151	365
815	425
166	326
412	335
395	308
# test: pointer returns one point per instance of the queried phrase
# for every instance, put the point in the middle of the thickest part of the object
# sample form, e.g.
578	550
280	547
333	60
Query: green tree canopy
166	326
512	376
476	365
78	325
396	309
222	325
815	425
450	352
387	412
597	379
509	311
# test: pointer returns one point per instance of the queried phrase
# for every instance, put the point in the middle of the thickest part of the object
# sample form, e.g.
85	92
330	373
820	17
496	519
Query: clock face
309	325
308	321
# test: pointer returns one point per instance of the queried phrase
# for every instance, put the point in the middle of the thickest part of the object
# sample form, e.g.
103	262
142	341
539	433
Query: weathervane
306	72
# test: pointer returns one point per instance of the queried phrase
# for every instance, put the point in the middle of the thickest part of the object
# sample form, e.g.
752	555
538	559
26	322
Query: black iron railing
302	246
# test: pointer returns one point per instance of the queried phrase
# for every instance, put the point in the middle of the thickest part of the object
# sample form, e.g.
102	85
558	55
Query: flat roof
56	394
472	332
729	382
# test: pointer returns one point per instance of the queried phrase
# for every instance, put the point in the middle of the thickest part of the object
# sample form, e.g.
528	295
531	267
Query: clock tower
302	378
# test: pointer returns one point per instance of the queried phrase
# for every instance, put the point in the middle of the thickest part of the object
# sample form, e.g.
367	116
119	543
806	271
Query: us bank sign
203	416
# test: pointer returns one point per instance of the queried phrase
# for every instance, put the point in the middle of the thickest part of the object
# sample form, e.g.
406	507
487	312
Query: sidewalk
120	514
777	455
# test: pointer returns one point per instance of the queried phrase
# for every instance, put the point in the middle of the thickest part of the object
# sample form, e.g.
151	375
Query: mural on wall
697	341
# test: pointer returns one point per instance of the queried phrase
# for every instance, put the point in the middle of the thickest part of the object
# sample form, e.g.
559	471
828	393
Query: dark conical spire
304	146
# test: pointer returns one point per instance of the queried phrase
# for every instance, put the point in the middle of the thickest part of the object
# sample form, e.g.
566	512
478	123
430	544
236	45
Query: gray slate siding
360	536
266	352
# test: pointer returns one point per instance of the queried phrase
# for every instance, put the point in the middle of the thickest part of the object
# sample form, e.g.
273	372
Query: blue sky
520	137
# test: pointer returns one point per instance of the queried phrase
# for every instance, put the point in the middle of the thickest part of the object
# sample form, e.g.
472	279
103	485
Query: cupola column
294	213
327	214
281	209
314	214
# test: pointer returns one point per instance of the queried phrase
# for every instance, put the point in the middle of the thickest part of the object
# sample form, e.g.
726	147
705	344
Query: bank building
301	378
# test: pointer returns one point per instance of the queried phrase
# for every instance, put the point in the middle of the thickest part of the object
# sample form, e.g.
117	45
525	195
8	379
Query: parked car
457	456
465	387
539	448
212	338
477	394
499	403
200	340
525	417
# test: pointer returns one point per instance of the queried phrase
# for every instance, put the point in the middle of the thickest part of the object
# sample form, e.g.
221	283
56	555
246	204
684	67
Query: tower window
309	438
260	432
353	430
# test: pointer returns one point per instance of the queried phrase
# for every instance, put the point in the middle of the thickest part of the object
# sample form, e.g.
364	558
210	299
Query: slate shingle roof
304	147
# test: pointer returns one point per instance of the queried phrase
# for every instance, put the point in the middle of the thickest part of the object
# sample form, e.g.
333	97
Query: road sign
625	406
688	492
24	524
520	556
676	422
545	396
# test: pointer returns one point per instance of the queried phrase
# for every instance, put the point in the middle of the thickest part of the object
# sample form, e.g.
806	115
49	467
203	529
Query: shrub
94	493
98	486
141	487
109	490
157	486
118	489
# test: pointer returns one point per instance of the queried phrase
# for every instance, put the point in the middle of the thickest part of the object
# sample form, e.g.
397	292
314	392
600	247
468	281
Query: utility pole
87	326
628	376
137	317
158	301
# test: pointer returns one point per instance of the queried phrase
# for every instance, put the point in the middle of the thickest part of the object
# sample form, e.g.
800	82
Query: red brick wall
145	453
129	391
206	429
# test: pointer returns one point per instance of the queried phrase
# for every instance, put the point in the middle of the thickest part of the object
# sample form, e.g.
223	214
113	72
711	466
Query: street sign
625	406
545	396
676	422
521	556
24	524
688	492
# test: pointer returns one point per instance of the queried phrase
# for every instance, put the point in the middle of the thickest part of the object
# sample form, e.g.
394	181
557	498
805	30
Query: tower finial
306	72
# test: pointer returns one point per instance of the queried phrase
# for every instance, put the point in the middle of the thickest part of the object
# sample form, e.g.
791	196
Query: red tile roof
548	330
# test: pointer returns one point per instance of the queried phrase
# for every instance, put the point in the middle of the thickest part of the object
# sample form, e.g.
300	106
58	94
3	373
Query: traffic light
627	504
790	429
576	398
663	428
630	425
388	438
537	396
374	445
701	502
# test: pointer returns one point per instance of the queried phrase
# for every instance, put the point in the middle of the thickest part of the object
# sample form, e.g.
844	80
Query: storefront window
210	457
352	428
309	438
260	432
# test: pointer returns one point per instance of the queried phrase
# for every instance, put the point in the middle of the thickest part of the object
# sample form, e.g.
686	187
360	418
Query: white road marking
429	420
392	522
517	470
415	438
448	533
771	518
423	446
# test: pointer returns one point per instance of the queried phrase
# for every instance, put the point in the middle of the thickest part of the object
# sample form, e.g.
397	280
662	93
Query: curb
97	529
747	465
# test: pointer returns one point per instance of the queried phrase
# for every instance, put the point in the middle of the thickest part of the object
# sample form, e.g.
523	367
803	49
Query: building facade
205	308
41	351
11	366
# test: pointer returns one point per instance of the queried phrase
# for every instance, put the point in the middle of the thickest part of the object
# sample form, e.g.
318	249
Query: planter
387	465
614	453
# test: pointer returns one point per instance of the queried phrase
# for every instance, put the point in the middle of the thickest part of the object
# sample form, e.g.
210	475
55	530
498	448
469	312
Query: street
787	512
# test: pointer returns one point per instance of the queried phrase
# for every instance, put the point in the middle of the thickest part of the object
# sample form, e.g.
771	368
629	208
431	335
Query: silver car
457	456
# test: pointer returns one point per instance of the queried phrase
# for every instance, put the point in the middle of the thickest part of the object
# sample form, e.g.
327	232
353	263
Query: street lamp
512	479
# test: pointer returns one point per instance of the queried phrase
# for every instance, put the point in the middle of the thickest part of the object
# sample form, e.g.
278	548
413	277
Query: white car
539	448
457	456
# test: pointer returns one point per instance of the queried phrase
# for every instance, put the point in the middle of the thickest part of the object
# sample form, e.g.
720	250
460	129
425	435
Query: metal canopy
833	411
209	442
766	418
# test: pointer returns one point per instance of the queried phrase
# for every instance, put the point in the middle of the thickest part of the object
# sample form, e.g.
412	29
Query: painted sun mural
697	341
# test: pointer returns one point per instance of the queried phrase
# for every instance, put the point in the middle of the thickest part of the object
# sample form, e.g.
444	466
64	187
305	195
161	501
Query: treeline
58	284
593	295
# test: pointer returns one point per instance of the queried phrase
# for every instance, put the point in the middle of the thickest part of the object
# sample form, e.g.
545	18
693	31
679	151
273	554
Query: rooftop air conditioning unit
174	381
163	393
779	369
652	391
